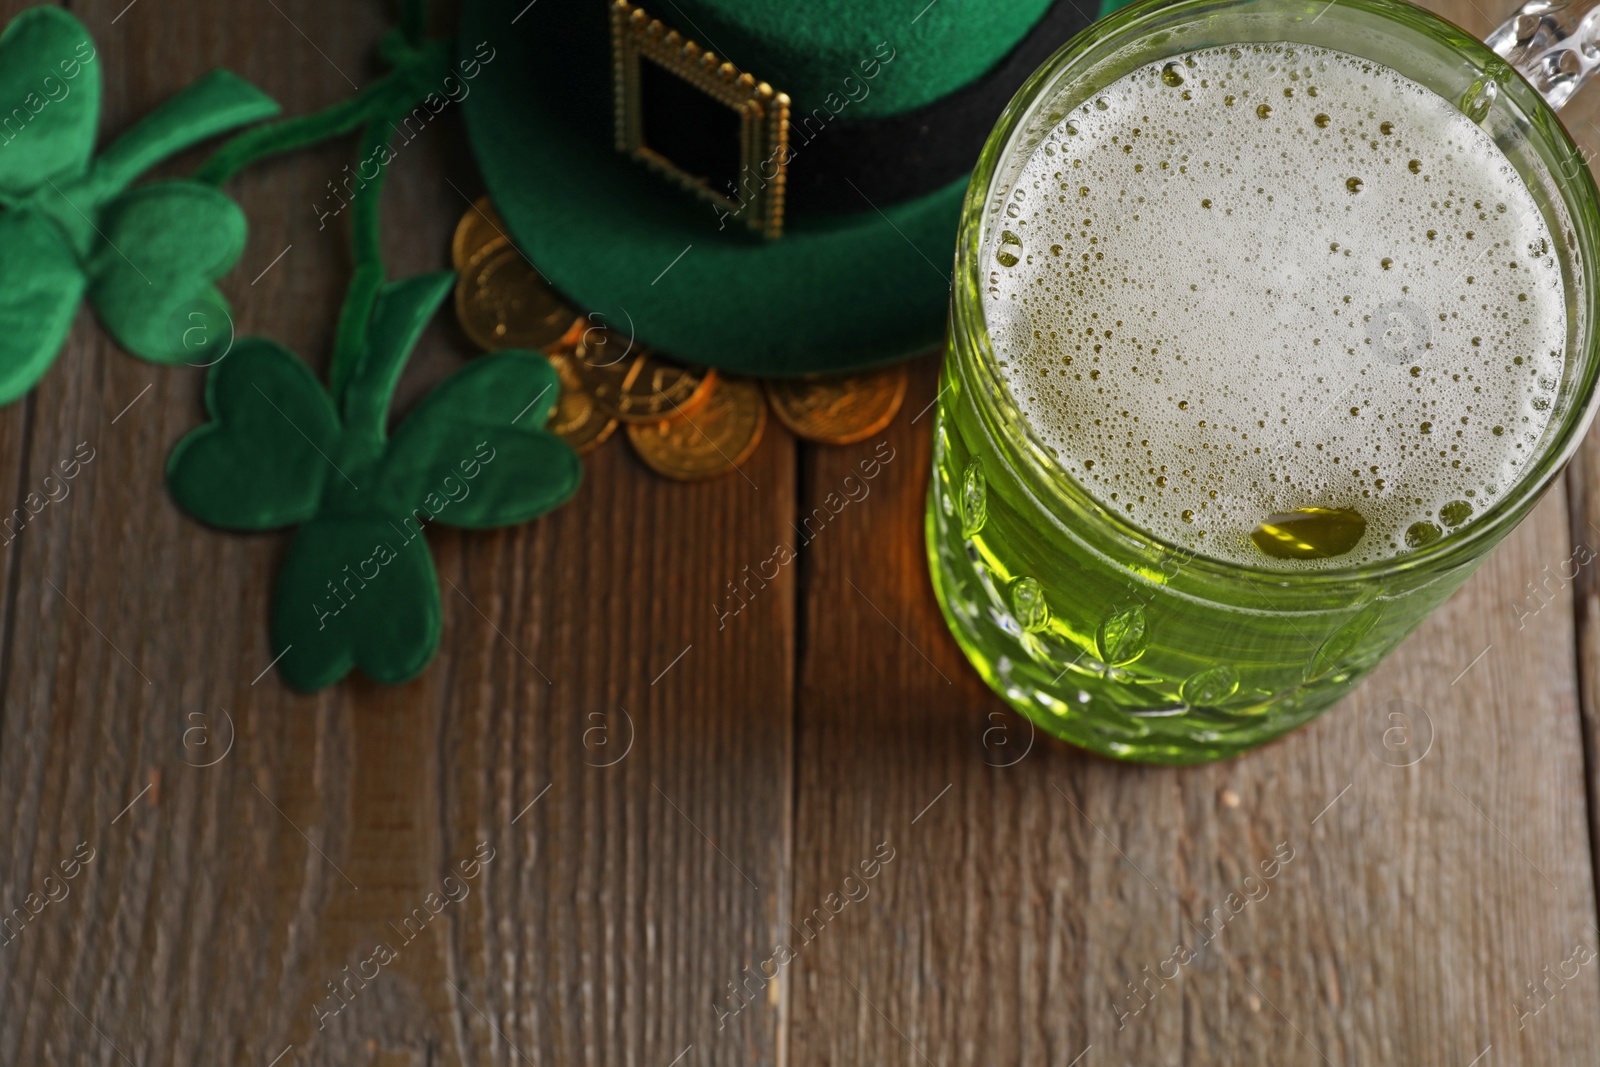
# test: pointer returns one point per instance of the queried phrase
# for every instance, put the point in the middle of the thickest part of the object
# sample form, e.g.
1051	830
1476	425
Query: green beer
1257	347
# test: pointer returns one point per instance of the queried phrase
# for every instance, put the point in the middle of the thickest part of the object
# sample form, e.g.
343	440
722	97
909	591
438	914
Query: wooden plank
1424	896
1582	119
658	858
1419	902
1408	907
224	903
1017	892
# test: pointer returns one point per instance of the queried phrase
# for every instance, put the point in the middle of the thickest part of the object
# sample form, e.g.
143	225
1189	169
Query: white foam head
1258	279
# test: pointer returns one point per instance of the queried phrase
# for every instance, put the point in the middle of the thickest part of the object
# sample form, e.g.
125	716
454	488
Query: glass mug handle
1555	44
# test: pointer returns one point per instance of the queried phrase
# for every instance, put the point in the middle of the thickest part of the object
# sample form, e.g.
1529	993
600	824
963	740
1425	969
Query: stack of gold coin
839	410
685	423
501	300
578	421
714	439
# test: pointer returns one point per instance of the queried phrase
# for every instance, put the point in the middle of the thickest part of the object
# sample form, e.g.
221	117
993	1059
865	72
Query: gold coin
713	440
502	302
572	338
634	384
839	410
479	230
577	421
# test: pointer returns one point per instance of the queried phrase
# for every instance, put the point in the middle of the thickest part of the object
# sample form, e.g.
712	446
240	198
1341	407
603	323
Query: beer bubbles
1279	304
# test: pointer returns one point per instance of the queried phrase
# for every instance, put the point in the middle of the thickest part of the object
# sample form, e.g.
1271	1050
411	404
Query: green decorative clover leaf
358	587
70	224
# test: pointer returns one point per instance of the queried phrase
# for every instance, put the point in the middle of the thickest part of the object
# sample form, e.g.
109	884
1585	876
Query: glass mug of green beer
1270	319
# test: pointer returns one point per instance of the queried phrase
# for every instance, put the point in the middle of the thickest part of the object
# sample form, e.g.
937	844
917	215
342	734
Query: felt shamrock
70	224
358	587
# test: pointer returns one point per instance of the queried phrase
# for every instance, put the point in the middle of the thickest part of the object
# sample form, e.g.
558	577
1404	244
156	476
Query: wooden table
667	800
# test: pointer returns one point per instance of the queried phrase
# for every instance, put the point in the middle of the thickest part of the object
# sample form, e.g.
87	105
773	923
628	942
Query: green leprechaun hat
765	187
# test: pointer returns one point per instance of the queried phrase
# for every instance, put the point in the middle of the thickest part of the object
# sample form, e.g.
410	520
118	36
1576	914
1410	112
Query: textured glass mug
1115	640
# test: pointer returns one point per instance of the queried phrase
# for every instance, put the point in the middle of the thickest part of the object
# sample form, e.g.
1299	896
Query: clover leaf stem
416	63
414	59
355	318
299	132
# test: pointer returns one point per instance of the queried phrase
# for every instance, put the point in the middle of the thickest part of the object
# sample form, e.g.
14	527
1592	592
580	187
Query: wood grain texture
231	913
1034	911
1582	118
1008	905
799	833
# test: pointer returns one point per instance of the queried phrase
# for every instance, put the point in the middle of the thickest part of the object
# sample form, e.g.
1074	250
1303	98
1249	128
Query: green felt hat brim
831	295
